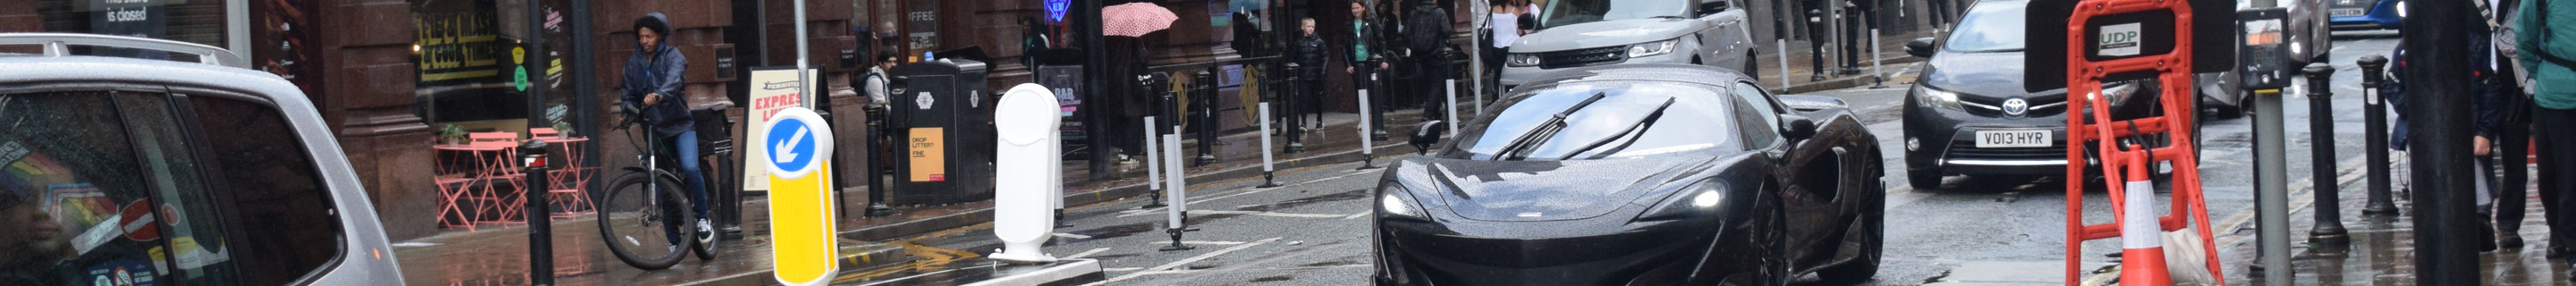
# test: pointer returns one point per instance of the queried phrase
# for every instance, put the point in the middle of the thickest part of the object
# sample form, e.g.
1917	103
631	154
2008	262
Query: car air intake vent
1582	57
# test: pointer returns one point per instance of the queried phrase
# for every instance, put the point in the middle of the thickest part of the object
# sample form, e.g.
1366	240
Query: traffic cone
2142	251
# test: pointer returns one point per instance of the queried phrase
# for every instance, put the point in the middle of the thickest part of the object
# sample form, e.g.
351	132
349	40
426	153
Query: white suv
1581	33
129	171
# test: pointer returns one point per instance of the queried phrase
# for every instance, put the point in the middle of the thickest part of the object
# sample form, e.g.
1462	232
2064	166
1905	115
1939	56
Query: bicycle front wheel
644	218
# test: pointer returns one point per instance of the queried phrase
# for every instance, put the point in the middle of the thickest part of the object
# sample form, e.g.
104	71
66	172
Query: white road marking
1072	236
1119	269
1356	215
1085	253
1186	261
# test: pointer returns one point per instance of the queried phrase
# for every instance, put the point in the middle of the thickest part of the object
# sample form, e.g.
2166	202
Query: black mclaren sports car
1637	175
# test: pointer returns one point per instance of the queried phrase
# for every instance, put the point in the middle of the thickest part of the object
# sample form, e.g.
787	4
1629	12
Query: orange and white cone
2142	252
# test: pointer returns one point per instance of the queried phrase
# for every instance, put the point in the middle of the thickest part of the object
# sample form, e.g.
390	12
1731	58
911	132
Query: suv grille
1582	57
1988	107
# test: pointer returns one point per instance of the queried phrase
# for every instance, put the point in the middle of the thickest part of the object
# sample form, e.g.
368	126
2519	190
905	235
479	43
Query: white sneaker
706	232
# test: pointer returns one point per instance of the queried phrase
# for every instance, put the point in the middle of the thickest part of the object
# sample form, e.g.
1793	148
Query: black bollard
1294	87
2329	226
541	250
2375	137
877	159
1203	99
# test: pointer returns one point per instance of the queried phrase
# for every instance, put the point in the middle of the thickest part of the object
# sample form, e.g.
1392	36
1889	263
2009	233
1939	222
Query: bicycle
649	200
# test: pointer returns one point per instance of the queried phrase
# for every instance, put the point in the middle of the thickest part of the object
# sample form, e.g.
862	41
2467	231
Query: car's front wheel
1924	180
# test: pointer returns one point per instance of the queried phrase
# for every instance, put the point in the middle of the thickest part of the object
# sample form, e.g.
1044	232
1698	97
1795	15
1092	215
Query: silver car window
1990	26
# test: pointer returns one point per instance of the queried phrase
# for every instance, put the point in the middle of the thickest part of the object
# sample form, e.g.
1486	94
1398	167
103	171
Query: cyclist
652	84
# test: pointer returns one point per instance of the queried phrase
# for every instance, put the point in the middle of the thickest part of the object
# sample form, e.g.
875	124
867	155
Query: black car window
1755	117
1604	128
1990	26
274	186
77	202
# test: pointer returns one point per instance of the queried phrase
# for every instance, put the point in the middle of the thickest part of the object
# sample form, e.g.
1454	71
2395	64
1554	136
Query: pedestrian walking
1501	29
1858	17
2544	49
1426	33
1127	99
1364	61
2503	122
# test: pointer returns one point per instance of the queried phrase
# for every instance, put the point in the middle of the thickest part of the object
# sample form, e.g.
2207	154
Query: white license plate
2013	138
2347	12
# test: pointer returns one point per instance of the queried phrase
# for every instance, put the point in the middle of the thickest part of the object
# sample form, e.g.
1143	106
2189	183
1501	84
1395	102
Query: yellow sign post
805	244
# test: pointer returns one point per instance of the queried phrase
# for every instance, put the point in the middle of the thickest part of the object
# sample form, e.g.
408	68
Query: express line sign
774	89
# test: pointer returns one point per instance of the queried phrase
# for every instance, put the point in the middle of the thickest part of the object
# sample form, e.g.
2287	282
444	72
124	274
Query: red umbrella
1135	19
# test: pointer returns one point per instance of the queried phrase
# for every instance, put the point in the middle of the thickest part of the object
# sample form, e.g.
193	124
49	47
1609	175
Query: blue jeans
684	149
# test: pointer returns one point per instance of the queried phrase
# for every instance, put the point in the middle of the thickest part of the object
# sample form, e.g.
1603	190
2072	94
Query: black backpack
1426	30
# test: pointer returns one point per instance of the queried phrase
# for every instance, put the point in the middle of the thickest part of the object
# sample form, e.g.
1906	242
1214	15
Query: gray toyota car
171	163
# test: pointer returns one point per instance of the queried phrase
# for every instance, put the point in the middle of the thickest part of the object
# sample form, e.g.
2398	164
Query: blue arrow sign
791	148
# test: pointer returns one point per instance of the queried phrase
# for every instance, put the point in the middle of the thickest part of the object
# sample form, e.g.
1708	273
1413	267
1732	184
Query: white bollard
1153	162
1452	110
1268	178
1784	62
1179	189
1368	145
1022	214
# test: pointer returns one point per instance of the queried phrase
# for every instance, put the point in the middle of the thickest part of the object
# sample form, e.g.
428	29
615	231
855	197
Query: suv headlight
1704	198
1522	60
1936	98
1397	202
1652	49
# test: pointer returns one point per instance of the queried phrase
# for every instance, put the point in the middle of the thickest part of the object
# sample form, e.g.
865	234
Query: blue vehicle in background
2364	14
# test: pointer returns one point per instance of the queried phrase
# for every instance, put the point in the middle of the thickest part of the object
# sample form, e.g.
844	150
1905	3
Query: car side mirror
1797	127
1920	47
1426	135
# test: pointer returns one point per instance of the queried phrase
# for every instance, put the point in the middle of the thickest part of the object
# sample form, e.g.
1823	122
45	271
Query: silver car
1581	33
171	162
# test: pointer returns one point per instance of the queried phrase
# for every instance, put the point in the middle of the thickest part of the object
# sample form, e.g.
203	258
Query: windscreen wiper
1519	148
1635	128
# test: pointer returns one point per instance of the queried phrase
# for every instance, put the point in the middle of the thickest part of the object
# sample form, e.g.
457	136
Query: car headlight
1652	49
2401	9
1522	60
2120	92
1395	202
1936	98
1700	199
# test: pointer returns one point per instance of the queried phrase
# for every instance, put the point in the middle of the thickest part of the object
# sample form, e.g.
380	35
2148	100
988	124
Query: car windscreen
1628	119
1569	12
1991	26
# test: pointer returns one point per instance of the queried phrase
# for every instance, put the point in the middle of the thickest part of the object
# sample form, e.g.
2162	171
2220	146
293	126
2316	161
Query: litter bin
945	120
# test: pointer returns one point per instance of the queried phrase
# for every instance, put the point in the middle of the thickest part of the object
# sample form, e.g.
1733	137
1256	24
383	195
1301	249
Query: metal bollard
1269	174
2375	137
1376	115
1451	110
541	250
1153	163
1296	113
1368	145
1203	98
876	164
2329	226
1179	212
1877	72
1784	61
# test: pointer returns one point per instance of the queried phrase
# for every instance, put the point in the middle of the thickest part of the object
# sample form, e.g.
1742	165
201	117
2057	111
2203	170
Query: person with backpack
1426	36
2543	49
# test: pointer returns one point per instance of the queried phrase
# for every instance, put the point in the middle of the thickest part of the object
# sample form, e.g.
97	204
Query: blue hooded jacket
657	69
